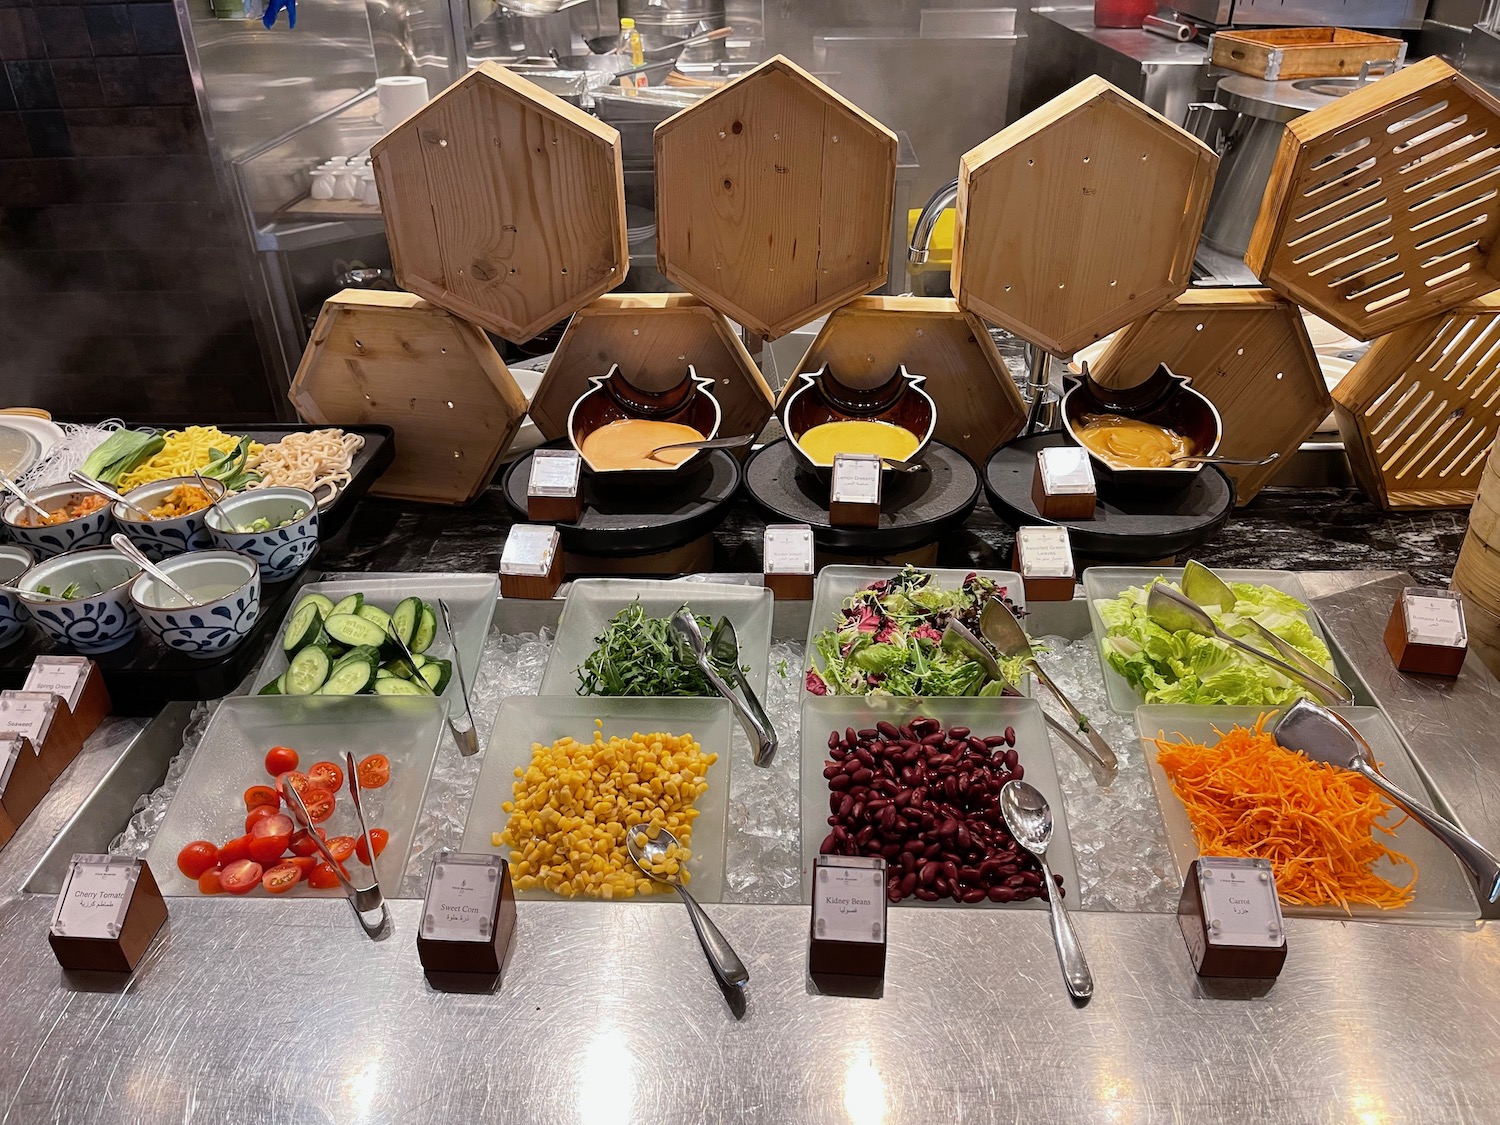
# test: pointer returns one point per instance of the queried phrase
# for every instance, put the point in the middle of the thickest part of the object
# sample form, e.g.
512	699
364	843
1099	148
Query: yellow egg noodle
185	451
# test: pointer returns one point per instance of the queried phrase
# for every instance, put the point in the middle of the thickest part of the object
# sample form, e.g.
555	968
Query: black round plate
916	509
619	523
1124	529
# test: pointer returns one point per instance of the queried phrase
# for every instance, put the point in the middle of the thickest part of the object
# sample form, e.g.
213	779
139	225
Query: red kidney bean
973	894
928	872
832	771
829	842
1010	736
926	895
958	732
908	882
942	887
1016	880
839	783
887	731
862	776
1012	759
1001	894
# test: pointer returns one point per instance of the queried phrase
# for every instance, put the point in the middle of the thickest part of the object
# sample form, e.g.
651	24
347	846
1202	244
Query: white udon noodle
319	459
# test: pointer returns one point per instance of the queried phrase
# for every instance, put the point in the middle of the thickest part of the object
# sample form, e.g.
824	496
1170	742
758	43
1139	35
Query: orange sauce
1130	443
627	443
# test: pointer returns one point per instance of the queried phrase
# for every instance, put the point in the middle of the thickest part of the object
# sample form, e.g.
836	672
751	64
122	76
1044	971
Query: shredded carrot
1316	824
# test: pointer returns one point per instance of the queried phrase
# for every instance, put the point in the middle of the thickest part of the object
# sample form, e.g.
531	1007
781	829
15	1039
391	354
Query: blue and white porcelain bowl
100	618
92	530
280	551
228	583
163	538
14	562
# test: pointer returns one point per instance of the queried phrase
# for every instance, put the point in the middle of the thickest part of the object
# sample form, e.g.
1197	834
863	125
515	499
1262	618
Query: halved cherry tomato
198	857
319	803
374	771
323	876
209	884
280	760
303	863
281	878
341	847
241	877
326	775
297	781
258	814
258	795
379	837
234	850
302	843
270	838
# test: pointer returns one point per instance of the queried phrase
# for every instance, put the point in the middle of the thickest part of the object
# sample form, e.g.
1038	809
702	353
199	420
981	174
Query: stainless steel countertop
261	1011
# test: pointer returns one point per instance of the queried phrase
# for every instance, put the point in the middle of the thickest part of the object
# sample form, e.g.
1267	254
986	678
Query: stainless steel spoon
648	844
133	553
1177	613
1188	459
18	592
15	490
213	501
690	643
724	647
707	443
101	489
1002	629
1326	736
1029	819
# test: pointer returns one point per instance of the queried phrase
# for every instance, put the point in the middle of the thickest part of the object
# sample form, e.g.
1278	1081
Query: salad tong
364	900
690	644
467	740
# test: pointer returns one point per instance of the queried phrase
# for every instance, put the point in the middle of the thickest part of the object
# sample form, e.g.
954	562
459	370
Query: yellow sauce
625	444
1129	443
883	439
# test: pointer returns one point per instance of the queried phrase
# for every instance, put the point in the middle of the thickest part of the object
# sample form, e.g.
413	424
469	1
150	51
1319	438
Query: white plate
47	435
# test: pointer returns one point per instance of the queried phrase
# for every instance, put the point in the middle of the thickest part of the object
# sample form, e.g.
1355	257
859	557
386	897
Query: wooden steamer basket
1477	573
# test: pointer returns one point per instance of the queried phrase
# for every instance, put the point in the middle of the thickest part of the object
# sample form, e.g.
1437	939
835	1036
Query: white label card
1045	552
461	898
28	713
1066	471
1240	903
1435	619
10	753
60	675
95	896
788	549
554	472
849	900
856	479
529	550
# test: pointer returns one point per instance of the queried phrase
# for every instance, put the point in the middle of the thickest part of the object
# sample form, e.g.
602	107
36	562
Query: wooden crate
1421	409
1247	350
774	198
865	341
1079	218
653	337
503	203
1284	53
396	360
1381	208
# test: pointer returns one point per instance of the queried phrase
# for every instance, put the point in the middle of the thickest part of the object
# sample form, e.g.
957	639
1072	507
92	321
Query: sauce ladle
133	553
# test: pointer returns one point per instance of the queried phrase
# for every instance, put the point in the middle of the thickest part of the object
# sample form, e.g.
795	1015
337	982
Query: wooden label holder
854	490
554	491
468	916
47	723
531	564
787	566
23	782
108	911
79	683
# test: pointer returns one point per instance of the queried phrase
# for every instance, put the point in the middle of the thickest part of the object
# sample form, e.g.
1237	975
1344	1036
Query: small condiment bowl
821	397
92	530
1165	399
90	623
613	398
281	551
14	562
227	582
163	538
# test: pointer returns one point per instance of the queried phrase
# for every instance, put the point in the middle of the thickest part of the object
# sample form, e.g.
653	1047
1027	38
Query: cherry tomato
198	857
374	771
209	884
258	814
303	863
281	878
323	876
326	775
341	847
241	877
302	843
280	760
297	781
319	803
379	837
270	838
258	795
235	850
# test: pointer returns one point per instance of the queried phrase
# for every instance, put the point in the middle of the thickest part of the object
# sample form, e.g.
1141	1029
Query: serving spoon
15	490
648	844
99	488
1187	459
1029	818
707	443
133	553
20	593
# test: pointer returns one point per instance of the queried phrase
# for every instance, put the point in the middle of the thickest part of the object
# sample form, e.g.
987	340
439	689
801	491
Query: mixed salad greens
889	641
1184	667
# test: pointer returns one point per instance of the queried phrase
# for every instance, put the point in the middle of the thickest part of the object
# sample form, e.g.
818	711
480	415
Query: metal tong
690	643
364	900
467	740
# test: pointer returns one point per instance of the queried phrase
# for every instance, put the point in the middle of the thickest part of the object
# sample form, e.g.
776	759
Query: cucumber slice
322	601
400	668
384	674
406	617
376	616
307	671
304	628
353	630
436	673
349	679
425	632
350	604
272	688
394	685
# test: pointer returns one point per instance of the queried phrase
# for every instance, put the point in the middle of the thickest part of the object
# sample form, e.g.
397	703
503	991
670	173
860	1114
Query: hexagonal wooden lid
1079	218
1247	350
864	342
1381	206
503	203
654	337
396	360
773	199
